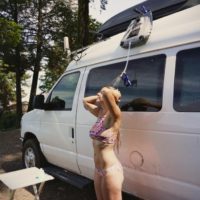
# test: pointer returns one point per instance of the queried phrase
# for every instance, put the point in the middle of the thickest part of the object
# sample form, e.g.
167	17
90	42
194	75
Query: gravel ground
10	160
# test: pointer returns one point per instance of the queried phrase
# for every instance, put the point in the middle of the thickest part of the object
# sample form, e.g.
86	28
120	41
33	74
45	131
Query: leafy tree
36	28
83	20
56	58
12	12
7	84
10	35
44	30
43	25
41	22
57	64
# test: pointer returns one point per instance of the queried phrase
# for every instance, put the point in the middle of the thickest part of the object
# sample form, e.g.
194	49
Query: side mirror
38	102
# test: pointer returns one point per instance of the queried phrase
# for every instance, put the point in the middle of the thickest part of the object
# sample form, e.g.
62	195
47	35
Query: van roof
120	21
173	30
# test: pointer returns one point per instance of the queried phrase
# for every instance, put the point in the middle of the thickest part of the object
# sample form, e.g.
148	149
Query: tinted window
187	81
146	75
63	93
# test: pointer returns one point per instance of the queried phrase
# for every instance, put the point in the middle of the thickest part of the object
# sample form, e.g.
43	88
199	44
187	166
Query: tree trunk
18	87
38	57
18	74
83	22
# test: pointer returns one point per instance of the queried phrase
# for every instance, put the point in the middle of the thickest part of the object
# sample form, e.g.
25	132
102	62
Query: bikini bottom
113	168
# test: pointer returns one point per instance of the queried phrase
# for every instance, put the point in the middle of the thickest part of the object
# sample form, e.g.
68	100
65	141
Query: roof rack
121	21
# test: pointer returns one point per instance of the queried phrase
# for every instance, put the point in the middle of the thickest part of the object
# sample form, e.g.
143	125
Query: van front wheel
32	155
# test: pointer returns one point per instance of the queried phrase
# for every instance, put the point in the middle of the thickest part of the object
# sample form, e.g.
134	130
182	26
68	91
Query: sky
112	8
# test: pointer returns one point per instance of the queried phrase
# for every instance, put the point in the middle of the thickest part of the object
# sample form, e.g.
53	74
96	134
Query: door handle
73	133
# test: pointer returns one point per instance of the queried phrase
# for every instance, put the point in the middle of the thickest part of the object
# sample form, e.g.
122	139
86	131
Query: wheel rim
29	157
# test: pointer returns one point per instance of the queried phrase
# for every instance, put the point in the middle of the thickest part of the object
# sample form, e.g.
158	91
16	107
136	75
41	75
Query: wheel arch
32	136
29	135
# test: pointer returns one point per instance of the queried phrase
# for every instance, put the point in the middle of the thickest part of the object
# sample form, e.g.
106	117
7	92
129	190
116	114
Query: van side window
187	81
147	76
63	93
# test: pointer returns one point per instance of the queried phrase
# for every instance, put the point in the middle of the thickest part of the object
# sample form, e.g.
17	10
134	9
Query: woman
108	176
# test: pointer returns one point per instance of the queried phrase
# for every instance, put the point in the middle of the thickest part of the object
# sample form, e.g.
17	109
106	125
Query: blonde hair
118	143
117	97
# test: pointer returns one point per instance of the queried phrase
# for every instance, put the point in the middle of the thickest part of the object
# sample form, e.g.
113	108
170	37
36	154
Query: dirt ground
10	160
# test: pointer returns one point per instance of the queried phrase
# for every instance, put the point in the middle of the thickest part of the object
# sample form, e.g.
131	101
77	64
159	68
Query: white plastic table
24	178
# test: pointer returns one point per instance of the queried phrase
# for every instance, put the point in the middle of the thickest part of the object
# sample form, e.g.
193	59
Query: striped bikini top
98	129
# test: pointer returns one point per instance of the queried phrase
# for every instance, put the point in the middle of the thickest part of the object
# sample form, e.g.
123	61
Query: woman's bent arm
90	104
111	102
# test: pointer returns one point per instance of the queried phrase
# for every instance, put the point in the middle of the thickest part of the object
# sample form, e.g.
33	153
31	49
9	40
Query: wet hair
118	143
111	87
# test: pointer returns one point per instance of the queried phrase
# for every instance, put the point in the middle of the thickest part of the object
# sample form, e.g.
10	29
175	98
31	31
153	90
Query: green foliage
65	24
57	63
93	28
8	120
7	88
8	85
12	47
10	34
32	35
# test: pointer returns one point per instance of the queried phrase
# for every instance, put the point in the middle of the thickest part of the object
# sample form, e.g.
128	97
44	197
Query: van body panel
148	186
31	123
166	154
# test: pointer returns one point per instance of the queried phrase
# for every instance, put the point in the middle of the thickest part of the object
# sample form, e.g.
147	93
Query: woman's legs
97	185
111	184
108	182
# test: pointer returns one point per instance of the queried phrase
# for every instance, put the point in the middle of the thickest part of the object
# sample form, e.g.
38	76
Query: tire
32	155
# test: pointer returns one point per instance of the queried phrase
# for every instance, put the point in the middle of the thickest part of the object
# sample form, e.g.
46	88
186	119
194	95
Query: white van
160	132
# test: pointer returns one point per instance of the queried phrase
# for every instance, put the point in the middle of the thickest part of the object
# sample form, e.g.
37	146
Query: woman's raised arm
112	97
90	104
